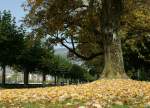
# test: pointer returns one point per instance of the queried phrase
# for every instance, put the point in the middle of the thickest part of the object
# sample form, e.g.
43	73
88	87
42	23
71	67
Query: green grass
1	106
50	105
120	106
37	105
64	104
74	104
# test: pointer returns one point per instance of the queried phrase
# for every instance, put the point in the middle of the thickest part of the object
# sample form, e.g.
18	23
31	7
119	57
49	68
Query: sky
15	7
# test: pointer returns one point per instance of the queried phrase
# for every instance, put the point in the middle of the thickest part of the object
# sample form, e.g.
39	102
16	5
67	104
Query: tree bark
4	74
26	77
114	65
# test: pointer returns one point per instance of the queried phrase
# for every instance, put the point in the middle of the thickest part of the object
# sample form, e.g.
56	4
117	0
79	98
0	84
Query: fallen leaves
98	94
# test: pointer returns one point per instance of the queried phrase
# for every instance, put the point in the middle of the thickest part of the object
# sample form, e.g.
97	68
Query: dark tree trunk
55	78
4	74
44	78
26	77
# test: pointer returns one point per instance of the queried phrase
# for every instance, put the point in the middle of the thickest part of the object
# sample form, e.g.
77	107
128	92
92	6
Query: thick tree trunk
4	75
114	65
110	22
26	77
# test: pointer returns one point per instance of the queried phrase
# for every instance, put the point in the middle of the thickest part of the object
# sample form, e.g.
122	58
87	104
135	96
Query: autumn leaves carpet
98	94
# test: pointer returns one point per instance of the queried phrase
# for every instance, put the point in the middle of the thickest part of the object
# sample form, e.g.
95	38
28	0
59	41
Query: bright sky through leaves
15	7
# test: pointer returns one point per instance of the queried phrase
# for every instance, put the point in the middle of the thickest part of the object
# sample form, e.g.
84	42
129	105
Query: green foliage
76	72
95	66
11	39
45	64
136	40
136	56
34	57
30	57
60	67
61	62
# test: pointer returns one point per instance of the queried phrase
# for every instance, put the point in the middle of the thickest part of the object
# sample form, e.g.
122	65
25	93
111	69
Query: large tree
11	41
134	33
79	22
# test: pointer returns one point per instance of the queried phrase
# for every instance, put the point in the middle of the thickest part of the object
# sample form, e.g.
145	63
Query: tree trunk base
113	75
114	65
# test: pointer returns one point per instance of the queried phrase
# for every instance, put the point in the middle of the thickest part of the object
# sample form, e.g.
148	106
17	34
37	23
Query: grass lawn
61	105
98	94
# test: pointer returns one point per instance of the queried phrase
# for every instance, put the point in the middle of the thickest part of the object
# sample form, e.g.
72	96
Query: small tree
80	74
60	67
76	72
45	65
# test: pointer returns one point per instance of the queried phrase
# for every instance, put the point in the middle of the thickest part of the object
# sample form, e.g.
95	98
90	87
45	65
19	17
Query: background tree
11	41
60	68
79	74
136	39
33	59
46	66
95	66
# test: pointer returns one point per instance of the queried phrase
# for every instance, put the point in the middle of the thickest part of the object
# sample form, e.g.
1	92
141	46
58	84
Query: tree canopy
91	27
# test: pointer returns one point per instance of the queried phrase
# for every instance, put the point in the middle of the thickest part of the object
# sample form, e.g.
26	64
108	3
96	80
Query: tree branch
79	55
72	42
147	61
